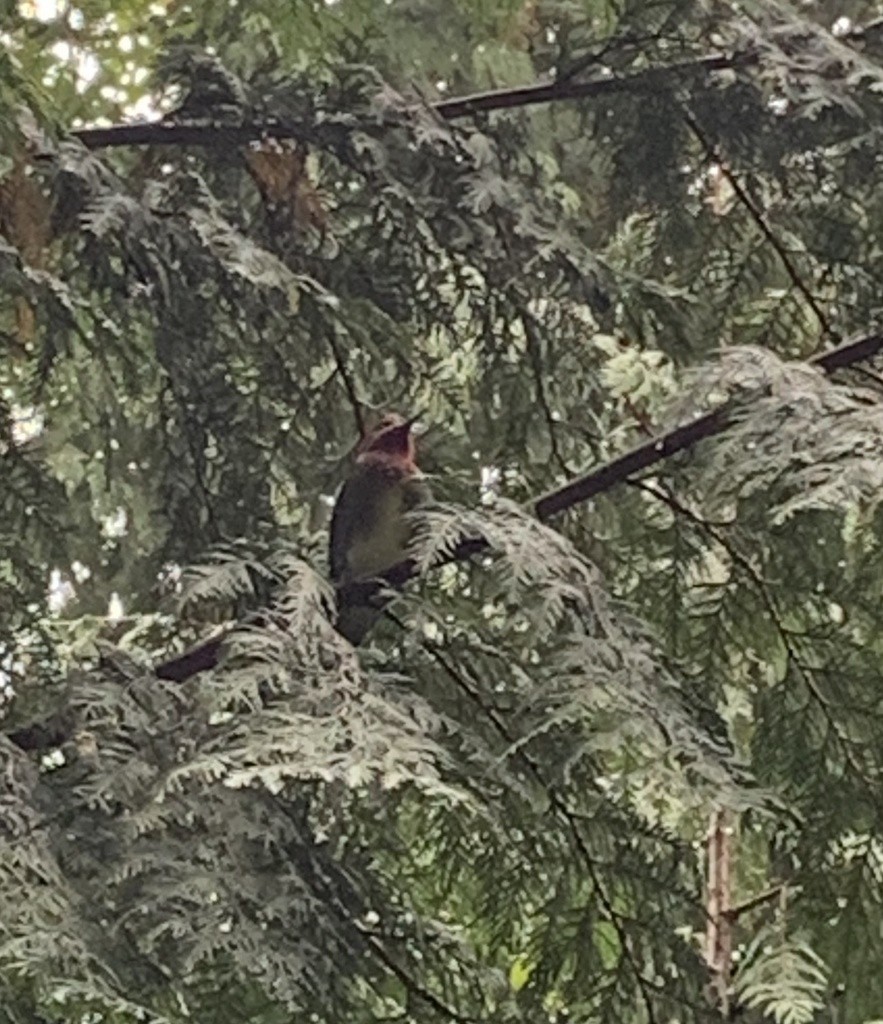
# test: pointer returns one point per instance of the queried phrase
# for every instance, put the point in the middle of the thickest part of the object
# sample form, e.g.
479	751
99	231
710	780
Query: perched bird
369	529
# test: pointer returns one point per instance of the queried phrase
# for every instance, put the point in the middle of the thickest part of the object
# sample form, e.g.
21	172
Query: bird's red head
389	443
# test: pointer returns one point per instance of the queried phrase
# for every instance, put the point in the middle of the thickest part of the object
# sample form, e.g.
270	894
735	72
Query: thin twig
416	990
755	902
760	220
348	382
785	635
564	812
532	344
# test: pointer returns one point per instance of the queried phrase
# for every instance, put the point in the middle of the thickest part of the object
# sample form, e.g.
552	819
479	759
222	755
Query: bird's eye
387	421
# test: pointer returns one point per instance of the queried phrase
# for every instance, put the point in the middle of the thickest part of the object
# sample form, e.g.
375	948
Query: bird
370	527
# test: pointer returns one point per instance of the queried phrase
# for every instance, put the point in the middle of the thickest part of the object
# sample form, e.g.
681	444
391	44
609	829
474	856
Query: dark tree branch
564	88
658	449
196	659
648	80
621	468
164	133
653	79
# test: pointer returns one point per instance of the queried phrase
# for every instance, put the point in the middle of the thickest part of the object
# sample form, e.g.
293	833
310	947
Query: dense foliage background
625	766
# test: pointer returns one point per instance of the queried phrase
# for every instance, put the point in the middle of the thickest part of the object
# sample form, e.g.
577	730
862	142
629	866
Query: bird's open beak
405	427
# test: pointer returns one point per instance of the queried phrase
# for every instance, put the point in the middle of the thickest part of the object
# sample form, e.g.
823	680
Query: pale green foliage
813	443
228	575
783	977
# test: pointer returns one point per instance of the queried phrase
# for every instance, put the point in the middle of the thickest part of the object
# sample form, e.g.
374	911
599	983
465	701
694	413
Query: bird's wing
343	520
368	535
417	493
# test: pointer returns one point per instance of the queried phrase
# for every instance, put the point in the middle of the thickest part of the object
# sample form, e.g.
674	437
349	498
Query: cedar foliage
496	810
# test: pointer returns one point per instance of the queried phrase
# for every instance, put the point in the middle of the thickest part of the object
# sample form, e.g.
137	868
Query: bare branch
348	383
166	133
648	80
755	902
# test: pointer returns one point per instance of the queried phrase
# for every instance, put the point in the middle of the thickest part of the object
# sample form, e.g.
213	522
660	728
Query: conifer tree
614	750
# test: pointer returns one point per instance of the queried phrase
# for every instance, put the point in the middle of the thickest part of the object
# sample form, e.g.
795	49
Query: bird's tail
354	621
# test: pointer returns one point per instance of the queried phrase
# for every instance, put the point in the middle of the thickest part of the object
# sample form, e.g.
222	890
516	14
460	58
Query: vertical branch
718	900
